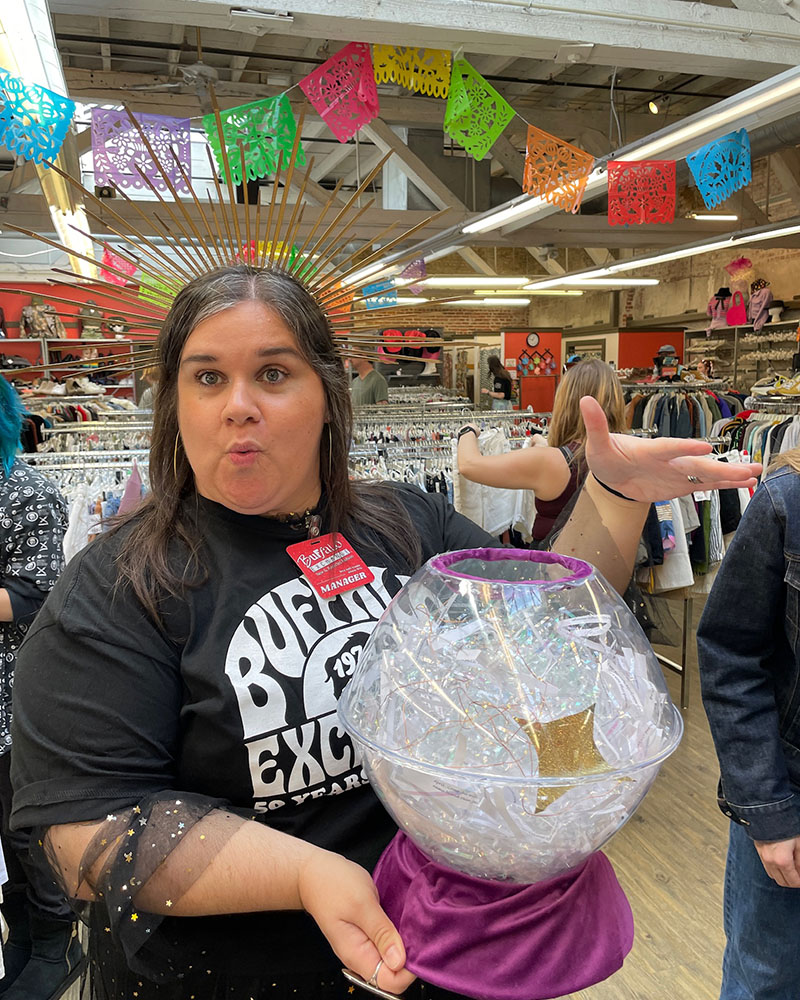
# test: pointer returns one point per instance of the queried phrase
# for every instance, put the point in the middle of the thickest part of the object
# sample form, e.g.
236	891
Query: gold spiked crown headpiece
214	237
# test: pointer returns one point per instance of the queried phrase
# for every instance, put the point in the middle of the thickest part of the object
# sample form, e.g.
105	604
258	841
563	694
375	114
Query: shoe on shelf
789	387
83	387
768	386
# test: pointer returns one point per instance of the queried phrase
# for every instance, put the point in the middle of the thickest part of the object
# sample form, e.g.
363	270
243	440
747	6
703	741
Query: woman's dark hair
496	368
358	510
10	424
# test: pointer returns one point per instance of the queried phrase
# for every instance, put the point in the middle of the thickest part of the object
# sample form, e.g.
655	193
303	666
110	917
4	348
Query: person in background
149	375
554	473
370	386
175	704
42	954
500	392
748	644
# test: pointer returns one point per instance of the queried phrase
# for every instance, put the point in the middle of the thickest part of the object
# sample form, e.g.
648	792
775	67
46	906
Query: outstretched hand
658	468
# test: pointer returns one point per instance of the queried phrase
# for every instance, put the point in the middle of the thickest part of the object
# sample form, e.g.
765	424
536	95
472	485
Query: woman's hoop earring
175	456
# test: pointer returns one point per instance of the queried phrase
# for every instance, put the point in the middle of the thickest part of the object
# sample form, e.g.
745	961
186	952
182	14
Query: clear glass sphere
509	712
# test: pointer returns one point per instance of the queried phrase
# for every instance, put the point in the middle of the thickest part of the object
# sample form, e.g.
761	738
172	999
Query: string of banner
343	90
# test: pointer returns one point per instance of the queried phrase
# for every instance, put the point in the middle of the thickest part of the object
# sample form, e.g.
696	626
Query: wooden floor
670	860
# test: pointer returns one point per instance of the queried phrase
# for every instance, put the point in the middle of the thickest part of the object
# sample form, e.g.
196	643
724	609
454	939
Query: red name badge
330	565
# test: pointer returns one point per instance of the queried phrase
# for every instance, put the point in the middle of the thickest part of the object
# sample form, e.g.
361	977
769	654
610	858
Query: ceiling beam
786	165
420	174
369	158
691	37
176	36
239	63
30	212
505	152
105	49
416	112
327	163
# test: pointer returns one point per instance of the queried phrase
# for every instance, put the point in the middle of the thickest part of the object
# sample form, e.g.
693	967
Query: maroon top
547	511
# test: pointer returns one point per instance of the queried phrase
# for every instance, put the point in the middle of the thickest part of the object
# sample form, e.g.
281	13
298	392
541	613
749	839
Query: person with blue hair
42	953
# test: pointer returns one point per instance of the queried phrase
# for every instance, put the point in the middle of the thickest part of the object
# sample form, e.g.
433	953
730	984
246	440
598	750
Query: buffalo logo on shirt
289	661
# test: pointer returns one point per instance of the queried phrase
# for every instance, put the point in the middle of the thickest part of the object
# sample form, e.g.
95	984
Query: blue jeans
502	404
762	918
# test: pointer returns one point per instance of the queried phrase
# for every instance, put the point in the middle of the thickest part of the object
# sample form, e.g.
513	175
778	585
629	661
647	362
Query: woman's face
251	412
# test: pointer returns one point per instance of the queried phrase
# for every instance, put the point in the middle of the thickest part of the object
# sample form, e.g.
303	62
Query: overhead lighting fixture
712	217
473	281
262	15
408	300
759	235
658	105
373	271
780	96
489	302
589	283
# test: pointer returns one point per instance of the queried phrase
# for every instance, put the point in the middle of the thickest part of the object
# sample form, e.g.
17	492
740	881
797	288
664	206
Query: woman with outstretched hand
176	739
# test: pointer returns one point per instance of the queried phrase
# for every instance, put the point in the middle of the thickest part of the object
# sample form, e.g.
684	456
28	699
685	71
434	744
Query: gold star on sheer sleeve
139	864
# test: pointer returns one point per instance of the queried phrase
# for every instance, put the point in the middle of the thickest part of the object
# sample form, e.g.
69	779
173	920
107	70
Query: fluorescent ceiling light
473	281
588	283
499	291
366	272
668	255
553	291
680	253
712	217
409	300
262	15
488	302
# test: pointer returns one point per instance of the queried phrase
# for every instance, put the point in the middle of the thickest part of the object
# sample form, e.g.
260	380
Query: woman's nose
241	401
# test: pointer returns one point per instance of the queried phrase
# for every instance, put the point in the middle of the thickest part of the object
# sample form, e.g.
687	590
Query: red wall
13	303
537	391
637	348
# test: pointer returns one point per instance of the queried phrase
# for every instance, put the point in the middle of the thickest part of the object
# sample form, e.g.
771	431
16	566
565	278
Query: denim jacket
749	650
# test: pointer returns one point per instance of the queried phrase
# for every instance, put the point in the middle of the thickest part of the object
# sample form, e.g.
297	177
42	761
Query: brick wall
453	319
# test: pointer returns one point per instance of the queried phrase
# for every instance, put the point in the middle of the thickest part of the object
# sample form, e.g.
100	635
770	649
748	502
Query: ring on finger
373	979
694	480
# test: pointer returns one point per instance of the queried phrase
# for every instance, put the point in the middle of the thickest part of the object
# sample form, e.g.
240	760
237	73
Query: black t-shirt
502	384
235	698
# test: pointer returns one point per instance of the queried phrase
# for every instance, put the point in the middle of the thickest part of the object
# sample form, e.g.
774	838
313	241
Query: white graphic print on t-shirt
288	662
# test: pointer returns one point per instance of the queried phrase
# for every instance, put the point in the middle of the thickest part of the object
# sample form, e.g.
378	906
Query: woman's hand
341	897
485	392
658	468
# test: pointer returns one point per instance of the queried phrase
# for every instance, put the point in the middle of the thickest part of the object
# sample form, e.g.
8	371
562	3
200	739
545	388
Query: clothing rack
646	387
92	426
59	459
788	405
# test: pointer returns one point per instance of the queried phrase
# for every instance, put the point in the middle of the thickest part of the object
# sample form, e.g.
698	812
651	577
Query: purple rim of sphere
578	570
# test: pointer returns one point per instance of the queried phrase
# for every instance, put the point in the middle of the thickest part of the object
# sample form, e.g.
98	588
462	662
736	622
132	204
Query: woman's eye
208	378
274	375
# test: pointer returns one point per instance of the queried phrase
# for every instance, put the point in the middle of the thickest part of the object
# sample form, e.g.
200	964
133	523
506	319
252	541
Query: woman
553	473
189	762
42	953
500	393
748	643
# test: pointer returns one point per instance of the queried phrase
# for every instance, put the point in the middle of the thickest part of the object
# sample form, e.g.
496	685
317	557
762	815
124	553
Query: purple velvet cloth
500	940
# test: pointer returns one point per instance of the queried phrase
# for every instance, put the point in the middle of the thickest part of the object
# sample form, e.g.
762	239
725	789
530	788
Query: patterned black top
33	519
